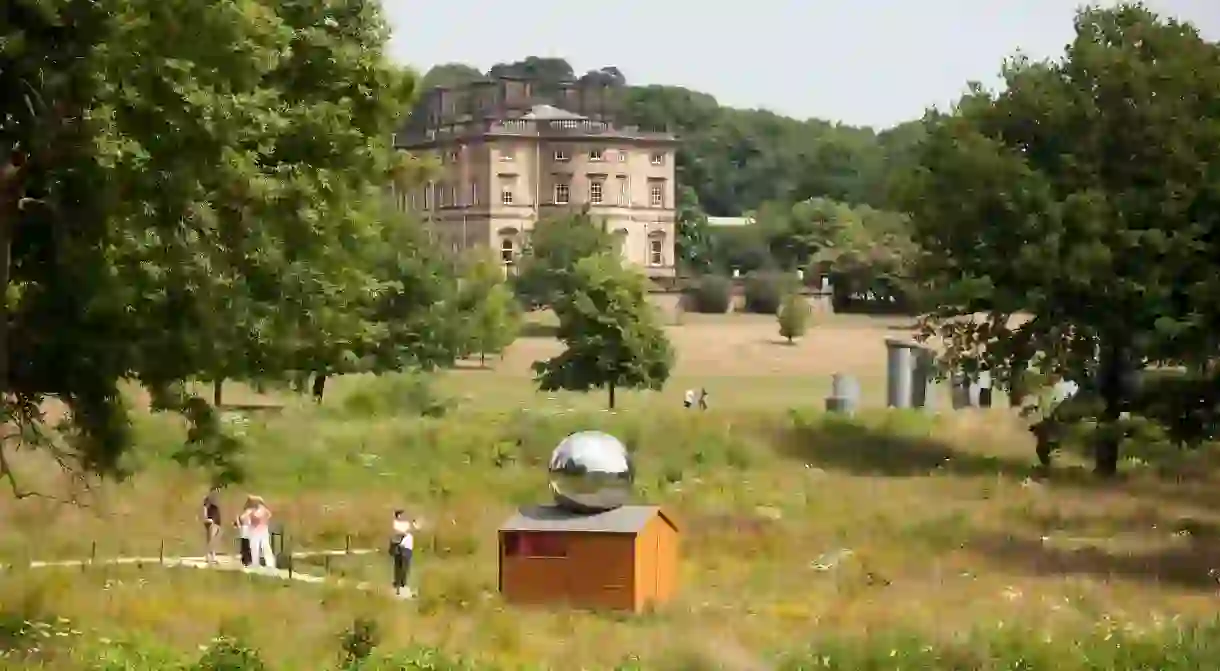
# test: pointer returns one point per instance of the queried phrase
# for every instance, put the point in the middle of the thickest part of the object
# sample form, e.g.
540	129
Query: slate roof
623	520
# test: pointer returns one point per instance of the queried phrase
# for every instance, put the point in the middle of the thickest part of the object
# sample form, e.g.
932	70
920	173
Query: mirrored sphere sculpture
591	472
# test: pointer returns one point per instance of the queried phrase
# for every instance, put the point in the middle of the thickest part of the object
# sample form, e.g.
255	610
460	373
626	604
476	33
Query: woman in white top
260	533
402	548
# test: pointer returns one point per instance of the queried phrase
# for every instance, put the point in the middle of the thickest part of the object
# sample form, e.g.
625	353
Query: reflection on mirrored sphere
591	472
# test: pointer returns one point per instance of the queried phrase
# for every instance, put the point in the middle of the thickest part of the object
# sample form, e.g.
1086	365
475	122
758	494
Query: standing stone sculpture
899	369
844	394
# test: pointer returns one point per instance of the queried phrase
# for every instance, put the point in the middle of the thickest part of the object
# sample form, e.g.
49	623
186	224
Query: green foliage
222	155
555	247
488	307
612	336
740	248
795	232
793	316
765	291
694	244
357	643
412	315
1084	195
229	654
395	395
713	294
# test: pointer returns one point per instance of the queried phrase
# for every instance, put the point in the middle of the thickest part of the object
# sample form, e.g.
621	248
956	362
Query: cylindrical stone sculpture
844	394
959	390
922	377
899	371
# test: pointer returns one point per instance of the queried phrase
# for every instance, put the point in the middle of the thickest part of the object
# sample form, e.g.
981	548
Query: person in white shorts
402	549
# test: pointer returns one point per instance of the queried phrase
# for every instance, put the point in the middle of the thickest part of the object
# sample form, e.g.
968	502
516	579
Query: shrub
711	295
229	654
793	316
397	394
358	642
765	291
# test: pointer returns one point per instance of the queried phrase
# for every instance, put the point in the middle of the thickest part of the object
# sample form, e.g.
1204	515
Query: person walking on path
260	533
703	398
402	549
688	399
211	523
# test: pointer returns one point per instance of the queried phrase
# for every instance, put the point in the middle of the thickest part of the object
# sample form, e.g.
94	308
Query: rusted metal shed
621	559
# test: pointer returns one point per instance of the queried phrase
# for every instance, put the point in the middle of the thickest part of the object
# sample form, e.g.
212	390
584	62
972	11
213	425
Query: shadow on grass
1188	564
898	444
537	330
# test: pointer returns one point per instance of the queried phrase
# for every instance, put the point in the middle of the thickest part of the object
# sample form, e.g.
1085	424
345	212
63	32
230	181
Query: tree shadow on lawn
853	446
1189	564
538	330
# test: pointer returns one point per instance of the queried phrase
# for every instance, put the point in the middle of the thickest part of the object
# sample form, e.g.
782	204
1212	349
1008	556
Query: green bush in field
765	291
711	295
229	654
397	394
793	316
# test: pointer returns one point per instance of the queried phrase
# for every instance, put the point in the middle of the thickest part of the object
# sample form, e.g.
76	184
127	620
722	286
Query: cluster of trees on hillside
197	192
1069	224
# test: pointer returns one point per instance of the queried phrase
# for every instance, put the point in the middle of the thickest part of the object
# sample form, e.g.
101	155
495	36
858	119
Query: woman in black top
211	522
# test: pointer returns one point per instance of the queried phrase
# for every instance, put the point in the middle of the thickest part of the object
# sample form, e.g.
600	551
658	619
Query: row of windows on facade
656	250
563	156
447	196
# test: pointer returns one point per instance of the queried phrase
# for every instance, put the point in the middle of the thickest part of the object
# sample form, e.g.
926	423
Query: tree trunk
611	397
218	391
319	387
1016	383
482	359
10	198
1110	385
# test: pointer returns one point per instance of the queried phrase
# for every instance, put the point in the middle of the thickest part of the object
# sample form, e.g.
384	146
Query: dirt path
224	563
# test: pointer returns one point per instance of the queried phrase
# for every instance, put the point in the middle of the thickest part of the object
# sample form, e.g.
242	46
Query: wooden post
286	557
326	564
161	553
347	544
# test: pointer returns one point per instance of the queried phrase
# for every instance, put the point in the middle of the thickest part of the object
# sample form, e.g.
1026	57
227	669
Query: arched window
507	250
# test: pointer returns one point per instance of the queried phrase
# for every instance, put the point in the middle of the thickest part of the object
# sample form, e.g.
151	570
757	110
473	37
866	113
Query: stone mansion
511	154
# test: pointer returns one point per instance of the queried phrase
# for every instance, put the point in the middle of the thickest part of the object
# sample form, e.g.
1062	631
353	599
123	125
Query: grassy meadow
891	540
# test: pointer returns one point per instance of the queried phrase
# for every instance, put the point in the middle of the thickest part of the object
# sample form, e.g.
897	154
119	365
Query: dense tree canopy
612	336
186	190
1085	196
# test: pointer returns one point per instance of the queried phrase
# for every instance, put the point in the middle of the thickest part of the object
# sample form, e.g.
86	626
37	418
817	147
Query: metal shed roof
623	520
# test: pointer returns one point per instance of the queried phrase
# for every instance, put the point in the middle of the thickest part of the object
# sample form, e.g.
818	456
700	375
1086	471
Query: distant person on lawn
211	523
703	398
402	549
688	400
260	533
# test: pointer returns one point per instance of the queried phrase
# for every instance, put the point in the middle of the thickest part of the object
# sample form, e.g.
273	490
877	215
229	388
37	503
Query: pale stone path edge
224	563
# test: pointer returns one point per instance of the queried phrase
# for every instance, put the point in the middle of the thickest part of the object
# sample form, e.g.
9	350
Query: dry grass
793	525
